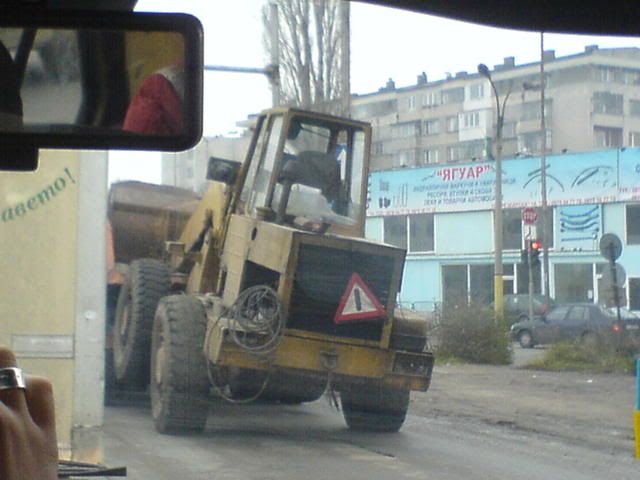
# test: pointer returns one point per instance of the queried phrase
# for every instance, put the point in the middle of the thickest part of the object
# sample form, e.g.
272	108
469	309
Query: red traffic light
536	245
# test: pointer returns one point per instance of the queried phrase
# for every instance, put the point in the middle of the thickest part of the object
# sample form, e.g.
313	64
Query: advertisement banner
572	179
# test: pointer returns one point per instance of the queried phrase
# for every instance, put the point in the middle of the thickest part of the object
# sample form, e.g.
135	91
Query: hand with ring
28	447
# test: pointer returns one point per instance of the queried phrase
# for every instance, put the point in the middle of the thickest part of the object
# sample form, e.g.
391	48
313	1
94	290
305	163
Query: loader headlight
413	364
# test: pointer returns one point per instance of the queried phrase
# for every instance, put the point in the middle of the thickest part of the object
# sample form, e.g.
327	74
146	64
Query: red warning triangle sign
358	302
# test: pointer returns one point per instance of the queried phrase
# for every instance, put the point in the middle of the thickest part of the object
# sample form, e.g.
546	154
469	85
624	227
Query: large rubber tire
148	281
110	384
179	380
525	339
374	409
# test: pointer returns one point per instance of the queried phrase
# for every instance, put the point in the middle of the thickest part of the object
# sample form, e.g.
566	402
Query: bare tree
313	44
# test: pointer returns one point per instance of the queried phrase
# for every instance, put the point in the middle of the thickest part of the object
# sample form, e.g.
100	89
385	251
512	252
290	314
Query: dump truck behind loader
271	291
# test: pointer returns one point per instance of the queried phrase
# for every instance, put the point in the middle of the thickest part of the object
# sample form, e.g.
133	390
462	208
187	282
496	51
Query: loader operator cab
306	171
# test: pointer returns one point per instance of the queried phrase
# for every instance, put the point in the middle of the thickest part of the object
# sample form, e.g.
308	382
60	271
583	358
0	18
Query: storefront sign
572	179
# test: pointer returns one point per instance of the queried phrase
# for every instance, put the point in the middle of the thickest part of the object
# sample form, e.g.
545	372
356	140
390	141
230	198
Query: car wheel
525	339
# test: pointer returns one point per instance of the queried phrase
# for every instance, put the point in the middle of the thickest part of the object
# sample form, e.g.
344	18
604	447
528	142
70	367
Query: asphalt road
311	442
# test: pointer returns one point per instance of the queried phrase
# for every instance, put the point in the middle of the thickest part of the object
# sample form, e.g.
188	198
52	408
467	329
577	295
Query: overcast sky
385	43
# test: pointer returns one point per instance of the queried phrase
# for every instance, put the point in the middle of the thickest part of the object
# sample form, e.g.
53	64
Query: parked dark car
565	322
629	325
516	306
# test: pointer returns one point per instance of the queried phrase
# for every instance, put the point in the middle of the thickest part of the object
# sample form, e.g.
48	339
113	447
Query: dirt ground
592	409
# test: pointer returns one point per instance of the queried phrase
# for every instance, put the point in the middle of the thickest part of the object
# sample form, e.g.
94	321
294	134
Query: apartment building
592	103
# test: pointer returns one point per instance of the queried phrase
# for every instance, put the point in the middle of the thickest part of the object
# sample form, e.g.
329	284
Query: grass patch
609	355
447	360
469	334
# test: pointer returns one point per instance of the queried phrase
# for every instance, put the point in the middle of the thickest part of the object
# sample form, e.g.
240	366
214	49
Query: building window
411	102
453	95
634	293
470	120
377	148
395	230
607	137
617	75
431	127
452	124
531	142
472	150
574	282
605	102
631	77
476	91
512	229
404	158
481	280
462	283
455	290
634	108
633	224
531	110
634	139
604	74
408	129
430	156
430	99
421	237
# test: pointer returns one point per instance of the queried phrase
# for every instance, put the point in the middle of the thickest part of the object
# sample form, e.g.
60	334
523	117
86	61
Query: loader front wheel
148	281
374	409
179	380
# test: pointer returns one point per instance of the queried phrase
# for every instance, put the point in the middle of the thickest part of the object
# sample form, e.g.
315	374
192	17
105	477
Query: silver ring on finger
12	378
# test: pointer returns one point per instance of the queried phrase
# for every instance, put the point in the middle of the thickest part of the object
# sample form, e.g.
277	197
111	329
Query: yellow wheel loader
272	291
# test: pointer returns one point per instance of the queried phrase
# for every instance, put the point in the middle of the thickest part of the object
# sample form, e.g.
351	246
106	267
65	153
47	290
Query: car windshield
325	286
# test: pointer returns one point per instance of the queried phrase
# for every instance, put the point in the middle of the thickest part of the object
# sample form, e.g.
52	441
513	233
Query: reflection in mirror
73	83
76	79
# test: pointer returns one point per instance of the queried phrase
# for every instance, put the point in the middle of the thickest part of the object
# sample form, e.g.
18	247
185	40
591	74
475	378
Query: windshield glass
335	155
352	274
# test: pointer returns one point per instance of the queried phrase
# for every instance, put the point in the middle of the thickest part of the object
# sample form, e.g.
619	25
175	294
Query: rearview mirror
100	80
221	170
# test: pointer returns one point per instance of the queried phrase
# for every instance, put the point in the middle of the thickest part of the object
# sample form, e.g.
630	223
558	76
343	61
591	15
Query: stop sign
529	216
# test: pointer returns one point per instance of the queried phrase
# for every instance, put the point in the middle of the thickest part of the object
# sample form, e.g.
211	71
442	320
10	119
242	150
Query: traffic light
524	257
536	247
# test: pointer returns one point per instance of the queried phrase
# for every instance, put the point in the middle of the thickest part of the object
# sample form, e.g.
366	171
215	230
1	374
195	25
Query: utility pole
498	282
544	231
345	60
530	267
274	33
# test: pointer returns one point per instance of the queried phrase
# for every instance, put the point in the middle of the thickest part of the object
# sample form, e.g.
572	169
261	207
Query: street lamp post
544	230
498	284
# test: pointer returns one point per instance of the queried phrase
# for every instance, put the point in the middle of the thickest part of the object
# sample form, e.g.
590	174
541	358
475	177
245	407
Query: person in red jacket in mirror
157	107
